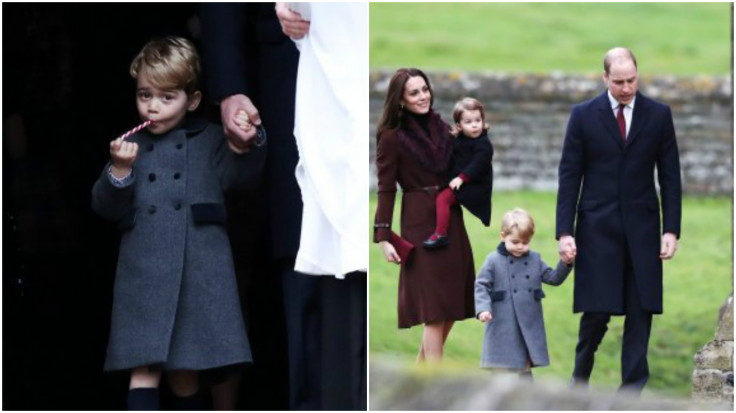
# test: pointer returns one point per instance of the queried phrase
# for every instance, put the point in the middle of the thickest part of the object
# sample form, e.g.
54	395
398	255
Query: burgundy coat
434	285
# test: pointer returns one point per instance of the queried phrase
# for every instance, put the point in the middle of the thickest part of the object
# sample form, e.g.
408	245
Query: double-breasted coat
434	285
510	288
472	157
608	185
176	302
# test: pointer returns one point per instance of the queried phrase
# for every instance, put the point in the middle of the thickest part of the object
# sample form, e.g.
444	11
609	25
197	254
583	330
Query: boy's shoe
436	241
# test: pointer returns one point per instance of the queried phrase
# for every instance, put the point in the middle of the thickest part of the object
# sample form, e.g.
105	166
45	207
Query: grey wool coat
510	288
175	300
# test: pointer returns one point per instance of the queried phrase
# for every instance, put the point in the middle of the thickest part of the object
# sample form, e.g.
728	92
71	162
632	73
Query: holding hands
239	116
567	249
123	154
485	316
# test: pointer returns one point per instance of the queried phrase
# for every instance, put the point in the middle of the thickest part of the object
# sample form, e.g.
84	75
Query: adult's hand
238	137
567	248
292	23
390	252
669	246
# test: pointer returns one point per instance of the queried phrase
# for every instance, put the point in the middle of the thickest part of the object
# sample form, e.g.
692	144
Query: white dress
331	129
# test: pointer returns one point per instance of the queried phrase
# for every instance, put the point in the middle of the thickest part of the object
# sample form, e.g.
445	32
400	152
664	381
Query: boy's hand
122	155
456	183
485	316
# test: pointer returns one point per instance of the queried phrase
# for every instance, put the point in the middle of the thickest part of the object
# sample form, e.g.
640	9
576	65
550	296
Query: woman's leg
446	327
143	389
433	341
185	388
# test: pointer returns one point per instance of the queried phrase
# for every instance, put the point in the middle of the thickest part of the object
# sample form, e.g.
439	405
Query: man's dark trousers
637	327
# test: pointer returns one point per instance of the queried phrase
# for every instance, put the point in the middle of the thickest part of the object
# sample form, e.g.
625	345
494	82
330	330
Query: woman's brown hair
392	110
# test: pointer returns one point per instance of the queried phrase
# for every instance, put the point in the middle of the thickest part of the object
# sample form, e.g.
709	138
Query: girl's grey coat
176	300
510	288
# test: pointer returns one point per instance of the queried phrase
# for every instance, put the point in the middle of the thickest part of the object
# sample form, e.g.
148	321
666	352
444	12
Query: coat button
527	277
152	209
151	177
526	263
530	290
511	261
514	291
150	147
513	276
177	175
177	206
179	146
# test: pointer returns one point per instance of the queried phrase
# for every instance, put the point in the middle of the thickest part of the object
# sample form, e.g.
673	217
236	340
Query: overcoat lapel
605	114
639	119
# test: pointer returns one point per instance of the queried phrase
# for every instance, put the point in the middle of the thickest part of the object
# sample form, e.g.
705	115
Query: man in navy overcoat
613	145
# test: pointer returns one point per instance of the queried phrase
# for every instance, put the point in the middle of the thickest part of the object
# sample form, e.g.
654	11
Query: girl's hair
169	63
392	110
518	220
466	104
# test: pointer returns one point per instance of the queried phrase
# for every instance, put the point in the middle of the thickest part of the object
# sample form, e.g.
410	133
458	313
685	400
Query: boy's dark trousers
637	326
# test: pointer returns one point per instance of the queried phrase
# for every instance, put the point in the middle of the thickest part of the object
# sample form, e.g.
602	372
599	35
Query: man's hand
234	110
567	249
669	246
485	316
292	23
456	183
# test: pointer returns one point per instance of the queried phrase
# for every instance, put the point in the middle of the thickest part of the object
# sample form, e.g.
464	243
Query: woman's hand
456	183
390	252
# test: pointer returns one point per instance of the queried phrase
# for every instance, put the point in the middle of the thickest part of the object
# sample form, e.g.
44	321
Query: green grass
696	283
668	38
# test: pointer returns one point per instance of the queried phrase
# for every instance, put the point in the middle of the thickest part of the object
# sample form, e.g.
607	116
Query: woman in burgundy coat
414	147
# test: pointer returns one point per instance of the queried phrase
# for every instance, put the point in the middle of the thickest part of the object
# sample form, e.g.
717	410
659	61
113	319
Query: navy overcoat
176	302
607	198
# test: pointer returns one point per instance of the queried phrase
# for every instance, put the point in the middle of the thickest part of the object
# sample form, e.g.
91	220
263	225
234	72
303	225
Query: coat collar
503	251
640	118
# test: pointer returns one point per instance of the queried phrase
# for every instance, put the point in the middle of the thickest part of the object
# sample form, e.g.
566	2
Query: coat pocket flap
538	294
209	213
128	220
498	295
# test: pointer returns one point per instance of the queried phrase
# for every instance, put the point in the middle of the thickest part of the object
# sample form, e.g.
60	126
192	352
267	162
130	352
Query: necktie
621	121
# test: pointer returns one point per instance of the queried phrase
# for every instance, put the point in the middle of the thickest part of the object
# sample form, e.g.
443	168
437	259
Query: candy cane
136	129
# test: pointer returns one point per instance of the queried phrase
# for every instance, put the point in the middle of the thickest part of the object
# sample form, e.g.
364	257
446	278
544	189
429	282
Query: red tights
445	200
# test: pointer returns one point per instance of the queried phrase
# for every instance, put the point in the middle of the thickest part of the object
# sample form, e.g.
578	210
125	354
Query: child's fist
123	155
241	119
456	183
485	316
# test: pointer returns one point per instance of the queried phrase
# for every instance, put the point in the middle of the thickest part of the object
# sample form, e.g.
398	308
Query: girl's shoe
436	241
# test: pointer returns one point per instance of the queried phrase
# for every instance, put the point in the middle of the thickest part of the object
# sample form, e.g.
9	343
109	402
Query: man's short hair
615	54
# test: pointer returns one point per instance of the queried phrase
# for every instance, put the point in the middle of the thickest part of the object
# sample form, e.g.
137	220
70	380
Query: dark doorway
66	94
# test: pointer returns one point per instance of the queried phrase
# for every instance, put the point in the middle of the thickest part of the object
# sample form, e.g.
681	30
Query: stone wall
529	113
393	387
713	375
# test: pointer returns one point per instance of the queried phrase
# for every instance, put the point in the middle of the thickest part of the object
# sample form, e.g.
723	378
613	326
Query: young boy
472	184
508	294
175	304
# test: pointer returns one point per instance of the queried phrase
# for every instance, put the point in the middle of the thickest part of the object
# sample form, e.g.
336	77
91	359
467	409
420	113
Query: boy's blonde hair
468	104
169	63
518	220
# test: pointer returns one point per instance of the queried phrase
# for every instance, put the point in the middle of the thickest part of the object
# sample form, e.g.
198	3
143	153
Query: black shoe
439	242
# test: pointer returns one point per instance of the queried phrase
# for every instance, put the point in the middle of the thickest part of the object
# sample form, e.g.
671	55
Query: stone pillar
713	375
